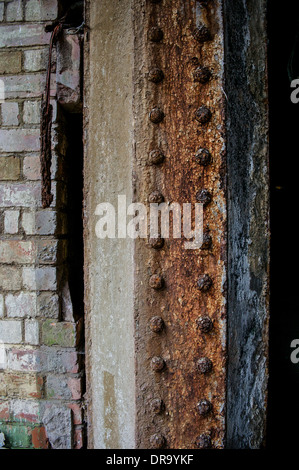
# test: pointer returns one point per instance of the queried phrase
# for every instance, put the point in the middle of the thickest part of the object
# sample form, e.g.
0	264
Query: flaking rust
191	383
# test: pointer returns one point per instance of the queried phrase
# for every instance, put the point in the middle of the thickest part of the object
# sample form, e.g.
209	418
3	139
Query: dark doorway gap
283	403
74	172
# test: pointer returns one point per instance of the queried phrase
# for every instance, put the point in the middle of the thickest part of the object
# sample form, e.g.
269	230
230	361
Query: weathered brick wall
41	373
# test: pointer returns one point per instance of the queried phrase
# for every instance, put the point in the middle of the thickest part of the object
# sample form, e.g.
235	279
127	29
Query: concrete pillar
159	81
109	263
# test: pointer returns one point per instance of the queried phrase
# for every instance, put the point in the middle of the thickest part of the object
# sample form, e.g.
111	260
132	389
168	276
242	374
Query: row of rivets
203	157
156	157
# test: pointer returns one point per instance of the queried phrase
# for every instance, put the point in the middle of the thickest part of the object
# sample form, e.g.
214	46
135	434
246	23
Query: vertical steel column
248	221
180	295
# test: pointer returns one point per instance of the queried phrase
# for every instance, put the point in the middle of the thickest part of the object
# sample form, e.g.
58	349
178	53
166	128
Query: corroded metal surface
248	222
180	115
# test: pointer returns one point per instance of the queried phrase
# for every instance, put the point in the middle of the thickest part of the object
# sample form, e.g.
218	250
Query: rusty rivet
202	74
156	115
204	365
204	407
204	282
156	157
156	282
156	243
158	363
203	442
202	33
156	75
203	157
155	34
157	441
157	406
205	324
194	61
156	324
204	197
156	197
203	115
206	242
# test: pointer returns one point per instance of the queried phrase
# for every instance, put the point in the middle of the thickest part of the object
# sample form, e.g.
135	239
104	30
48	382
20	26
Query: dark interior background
283	409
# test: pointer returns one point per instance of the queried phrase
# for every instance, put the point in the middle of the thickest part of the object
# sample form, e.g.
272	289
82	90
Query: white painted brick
32	110
1	306
10	278
38	279
14	11
23	360
41	10
21	195
10	114
27	85
39	223
28	223
23	35
32	332
18	251
21	305
11	222
19	140
46	222
36	60
11	331
24	409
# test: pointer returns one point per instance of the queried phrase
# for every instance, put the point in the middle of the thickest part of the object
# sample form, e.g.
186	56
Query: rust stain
194	319
46	127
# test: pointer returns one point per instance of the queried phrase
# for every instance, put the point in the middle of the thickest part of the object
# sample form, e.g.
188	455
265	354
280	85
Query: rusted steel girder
180	295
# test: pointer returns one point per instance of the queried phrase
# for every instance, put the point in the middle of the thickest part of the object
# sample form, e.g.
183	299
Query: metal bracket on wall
69	84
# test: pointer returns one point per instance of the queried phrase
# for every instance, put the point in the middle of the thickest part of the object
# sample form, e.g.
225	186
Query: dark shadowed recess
248	207
283	409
